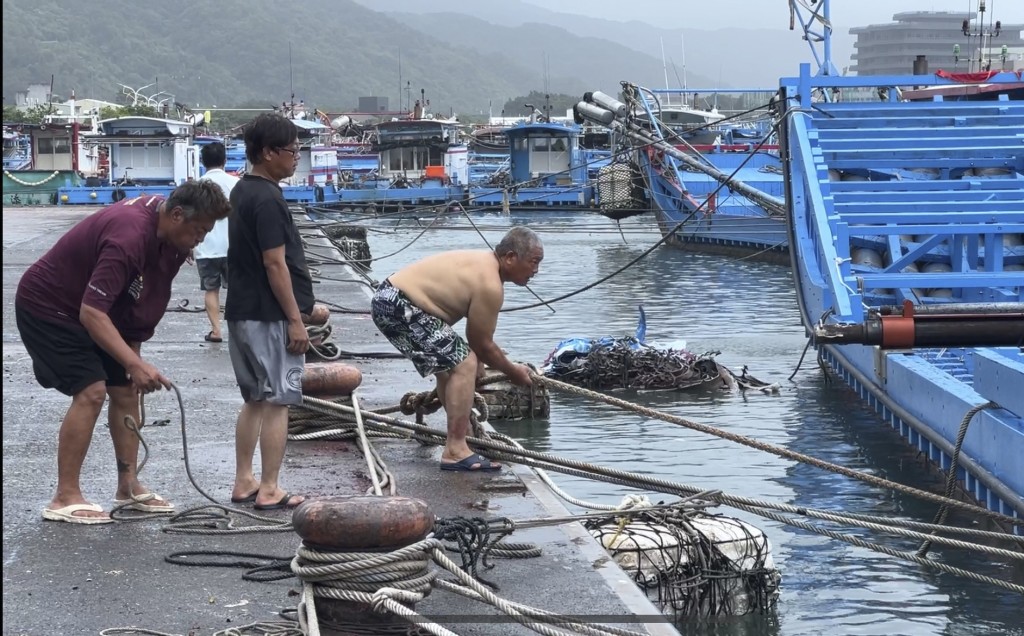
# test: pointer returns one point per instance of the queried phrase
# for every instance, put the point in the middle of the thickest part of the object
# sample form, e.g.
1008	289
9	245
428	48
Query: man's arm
481	321
281	284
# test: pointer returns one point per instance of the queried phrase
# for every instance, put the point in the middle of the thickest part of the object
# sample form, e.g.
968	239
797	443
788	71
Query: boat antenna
547	77
291	82
399	78
664	66
682	44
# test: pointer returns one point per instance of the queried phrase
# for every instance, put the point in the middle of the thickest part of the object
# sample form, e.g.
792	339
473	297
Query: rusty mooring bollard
360	524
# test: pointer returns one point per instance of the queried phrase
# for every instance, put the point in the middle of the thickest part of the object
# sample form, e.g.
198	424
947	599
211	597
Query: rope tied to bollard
511	451
388	582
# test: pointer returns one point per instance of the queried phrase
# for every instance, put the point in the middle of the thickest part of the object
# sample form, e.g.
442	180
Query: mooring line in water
509	451
951	478
775	449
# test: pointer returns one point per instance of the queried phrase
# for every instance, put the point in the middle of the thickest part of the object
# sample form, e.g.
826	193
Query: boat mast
664	67
814	36
682	45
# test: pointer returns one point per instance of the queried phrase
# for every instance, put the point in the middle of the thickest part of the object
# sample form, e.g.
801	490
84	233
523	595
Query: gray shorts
213	273
264	369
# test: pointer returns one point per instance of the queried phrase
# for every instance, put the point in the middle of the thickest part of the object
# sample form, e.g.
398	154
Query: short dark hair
213	155
520	241
202	199
269	130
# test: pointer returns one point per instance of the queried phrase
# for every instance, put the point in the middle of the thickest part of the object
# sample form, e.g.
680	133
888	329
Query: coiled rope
358	577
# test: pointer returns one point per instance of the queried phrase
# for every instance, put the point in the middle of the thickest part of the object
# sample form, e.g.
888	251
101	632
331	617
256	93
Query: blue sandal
467	464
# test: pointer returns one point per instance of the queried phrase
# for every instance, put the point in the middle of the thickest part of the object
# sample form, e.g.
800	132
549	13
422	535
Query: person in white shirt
212	254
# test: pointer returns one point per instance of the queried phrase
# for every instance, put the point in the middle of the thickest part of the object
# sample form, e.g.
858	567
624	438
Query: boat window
558	146
53	145
436	157
541	144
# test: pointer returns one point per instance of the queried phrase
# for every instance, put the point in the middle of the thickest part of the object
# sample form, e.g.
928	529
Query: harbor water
747	311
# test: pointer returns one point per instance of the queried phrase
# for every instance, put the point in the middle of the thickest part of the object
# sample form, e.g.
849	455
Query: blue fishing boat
147	155
713	185
422	161
910	277
905	226
547	167
17	149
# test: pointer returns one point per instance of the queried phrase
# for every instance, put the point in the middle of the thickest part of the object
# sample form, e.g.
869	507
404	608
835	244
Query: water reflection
746	310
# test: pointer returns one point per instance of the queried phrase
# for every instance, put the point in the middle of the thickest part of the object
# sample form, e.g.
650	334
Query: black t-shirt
260	221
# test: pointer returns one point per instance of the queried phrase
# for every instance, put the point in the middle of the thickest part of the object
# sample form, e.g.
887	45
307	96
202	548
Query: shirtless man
416	307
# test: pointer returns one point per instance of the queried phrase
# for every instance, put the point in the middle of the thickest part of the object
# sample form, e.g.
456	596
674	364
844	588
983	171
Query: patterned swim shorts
431	344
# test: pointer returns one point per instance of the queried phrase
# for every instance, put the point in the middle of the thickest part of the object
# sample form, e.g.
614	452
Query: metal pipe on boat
956	308
608	102
595	113
903	332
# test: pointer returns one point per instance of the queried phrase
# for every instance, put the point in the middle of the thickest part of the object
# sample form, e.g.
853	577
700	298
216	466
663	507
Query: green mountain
230	52
601	63
729	56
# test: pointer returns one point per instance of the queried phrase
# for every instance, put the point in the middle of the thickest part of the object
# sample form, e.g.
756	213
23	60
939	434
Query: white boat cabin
148	150
416	150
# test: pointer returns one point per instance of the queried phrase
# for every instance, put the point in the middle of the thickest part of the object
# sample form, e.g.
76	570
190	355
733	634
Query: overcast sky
770	14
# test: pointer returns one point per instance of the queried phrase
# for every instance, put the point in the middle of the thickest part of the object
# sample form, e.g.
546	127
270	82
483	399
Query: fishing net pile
629	363
692	563
626	363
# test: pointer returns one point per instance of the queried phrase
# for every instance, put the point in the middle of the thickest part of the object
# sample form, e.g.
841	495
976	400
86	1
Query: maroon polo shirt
111	261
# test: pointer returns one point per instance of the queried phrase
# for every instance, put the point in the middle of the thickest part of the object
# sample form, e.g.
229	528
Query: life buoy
118	194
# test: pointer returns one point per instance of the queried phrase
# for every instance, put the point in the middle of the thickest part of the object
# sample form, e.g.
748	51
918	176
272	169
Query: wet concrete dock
72	579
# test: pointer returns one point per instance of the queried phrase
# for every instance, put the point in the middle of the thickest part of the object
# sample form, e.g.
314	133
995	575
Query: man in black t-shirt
269	287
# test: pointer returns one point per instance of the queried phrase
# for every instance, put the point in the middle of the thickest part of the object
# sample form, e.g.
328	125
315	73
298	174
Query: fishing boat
147	155
725	197
714	185
910	276
17	150
546	168
905	226
422	162
41	158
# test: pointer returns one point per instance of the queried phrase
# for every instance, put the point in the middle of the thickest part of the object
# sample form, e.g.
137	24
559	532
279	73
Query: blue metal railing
934	183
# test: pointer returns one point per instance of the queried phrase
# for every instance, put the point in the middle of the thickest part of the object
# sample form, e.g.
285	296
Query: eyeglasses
292	151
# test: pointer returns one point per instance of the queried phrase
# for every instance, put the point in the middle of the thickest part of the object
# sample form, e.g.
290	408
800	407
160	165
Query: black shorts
66	358
213	273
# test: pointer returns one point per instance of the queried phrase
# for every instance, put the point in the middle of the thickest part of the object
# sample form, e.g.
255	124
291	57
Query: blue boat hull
939	200
728	223
925	404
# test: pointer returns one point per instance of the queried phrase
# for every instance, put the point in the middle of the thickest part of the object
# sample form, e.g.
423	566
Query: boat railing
934	183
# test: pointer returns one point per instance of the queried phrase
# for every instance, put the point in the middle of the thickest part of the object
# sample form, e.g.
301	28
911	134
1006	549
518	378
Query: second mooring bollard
360	524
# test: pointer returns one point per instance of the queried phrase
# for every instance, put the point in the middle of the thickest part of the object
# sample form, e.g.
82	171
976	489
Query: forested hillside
230	52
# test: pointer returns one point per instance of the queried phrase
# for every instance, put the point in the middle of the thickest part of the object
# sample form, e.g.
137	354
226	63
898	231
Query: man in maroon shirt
84	309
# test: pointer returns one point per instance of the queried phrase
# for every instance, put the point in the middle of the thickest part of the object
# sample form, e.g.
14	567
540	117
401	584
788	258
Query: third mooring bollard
360	524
